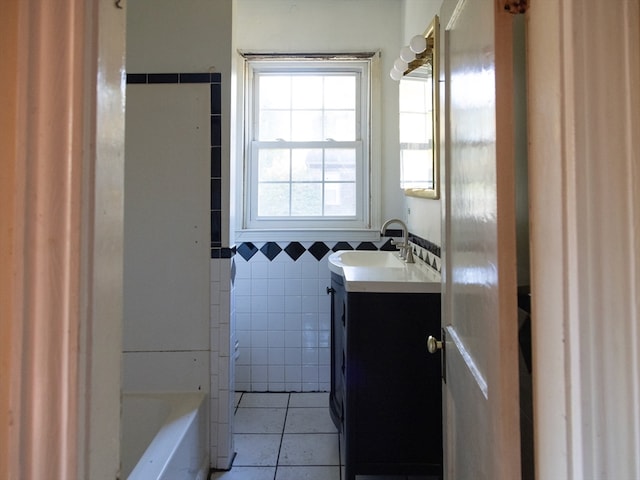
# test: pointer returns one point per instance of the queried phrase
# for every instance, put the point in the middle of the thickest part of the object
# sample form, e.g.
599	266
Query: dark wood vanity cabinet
385	387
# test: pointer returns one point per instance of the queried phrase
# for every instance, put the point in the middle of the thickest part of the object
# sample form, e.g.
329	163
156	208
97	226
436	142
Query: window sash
323	180
360	219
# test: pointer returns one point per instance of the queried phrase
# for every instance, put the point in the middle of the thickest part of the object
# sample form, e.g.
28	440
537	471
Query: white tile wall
283	323
223	318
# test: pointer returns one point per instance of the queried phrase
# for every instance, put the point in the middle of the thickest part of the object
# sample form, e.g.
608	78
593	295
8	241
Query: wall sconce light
417	45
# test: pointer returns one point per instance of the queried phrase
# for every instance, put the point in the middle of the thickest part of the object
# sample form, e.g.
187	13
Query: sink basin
381	271
366	258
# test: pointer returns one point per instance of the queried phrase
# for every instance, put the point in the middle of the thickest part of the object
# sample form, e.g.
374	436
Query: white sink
366	258
380	271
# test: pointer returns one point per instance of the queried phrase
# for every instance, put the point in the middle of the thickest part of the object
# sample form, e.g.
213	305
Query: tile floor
287	436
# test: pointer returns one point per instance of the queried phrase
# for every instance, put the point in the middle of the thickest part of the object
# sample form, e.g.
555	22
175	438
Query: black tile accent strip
216	162
216	99
247	250
216	130
271	250
366	246
319	250
220	252
136	78
162	78
426	244
195	77
216	228
389	246
342	246
216	194
294	250
214	79
392	232
198	77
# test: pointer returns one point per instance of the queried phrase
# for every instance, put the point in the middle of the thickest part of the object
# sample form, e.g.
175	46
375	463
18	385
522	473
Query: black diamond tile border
247	250
426	244
389	246
342	246
294	250
366	246
319	250
271	250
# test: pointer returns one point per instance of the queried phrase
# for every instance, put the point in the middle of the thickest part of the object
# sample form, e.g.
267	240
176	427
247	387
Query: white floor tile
259	420
309	420
311	399
309	449
308	473
278	400
256	449
246	473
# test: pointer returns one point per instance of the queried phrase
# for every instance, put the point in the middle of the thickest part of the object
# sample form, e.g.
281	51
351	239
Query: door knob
433	345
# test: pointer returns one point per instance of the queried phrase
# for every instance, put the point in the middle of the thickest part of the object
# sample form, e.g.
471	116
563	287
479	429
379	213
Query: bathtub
164	436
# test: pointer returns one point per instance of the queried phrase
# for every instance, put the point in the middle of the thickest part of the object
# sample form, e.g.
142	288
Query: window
308	153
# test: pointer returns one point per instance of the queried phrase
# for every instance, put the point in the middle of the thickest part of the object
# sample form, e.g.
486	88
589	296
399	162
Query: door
480	395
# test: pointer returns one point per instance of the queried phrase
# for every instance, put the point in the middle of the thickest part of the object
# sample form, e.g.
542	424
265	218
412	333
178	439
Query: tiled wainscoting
282	312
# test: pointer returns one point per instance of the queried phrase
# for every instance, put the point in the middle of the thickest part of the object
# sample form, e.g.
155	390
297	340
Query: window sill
307	235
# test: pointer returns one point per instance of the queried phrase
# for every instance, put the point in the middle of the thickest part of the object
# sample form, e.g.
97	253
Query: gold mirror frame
430	54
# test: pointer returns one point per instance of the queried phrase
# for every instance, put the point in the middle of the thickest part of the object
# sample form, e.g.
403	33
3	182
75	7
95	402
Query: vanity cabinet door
393	400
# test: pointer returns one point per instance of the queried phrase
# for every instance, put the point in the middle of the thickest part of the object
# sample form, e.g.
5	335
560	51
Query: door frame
584	181
61	218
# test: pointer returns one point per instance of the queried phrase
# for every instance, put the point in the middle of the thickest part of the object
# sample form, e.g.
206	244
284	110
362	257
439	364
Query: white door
480	395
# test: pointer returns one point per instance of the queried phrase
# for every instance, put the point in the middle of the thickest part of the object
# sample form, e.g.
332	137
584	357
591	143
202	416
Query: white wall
183	292
335	26
166	272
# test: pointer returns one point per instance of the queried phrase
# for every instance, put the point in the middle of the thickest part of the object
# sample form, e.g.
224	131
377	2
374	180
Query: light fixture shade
418	44
395	74
407	54
400	65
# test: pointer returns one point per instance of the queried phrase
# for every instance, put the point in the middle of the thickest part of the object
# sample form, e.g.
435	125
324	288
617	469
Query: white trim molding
584	179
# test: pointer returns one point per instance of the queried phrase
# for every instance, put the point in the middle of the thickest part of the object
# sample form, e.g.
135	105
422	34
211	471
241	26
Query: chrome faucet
406	252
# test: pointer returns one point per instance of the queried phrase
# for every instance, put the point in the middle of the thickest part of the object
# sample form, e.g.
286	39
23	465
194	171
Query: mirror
419	173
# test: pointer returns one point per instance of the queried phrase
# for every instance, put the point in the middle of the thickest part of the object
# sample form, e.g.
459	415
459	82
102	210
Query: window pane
306	199
274	124
340	199
273	199
340	92
306	125
273	165
298	172
340	164
306	92
306	165
275	92
340	125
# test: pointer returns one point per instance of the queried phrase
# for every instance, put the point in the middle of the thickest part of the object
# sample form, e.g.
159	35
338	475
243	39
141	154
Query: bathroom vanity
385	387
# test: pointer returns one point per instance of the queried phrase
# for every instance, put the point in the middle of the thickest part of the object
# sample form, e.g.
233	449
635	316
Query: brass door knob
433	344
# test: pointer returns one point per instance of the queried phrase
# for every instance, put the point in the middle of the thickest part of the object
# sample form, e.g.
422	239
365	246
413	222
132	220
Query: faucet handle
408	256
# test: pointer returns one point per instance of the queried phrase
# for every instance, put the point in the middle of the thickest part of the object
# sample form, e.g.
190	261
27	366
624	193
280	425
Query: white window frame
362	227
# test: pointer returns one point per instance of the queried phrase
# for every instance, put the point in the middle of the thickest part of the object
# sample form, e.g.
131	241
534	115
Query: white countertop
411	278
